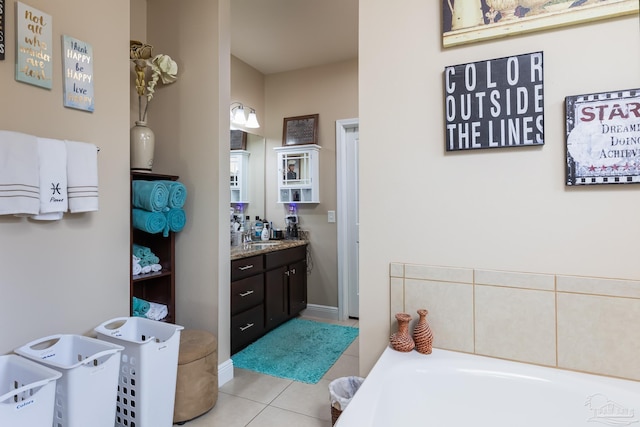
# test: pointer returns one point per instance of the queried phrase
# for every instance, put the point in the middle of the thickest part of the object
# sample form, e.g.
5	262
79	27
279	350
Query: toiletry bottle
258	228
265	231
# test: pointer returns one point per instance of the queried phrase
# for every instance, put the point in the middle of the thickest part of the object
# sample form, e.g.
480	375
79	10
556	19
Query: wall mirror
255	148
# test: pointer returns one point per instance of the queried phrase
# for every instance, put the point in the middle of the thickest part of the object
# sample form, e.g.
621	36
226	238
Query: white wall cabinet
298	174
239	176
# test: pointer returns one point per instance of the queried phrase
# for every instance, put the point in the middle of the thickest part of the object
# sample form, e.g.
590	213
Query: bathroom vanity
268	287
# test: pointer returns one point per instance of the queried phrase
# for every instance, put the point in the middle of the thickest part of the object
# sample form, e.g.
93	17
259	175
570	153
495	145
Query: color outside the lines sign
495	103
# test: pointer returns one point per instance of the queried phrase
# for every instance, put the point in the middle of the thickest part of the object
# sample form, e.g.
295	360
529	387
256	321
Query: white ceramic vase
142	142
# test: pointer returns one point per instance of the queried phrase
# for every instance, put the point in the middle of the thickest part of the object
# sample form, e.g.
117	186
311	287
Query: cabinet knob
245	267
293	271
244	328
244	294
288	272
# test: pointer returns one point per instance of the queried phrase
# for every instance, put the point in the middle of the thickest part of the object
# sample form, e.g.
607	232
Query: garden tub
452	389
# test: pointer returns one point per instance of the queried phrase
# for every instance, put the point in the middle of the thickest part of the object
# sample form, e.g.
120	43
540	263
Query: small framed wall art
238	139
603	138
77	57
300	130
468	21
34	46
2	30
495	103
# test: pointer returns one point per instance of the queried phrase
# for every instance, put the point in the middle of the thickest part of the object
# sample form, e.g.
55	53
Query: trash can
86	391
148	369
341	391
27	392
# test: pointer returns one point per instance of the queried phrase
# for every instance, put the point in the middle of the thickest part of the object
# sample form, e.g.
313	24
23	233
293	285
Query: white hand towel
19	187
157	311
82	176
146	269
52	158
156	267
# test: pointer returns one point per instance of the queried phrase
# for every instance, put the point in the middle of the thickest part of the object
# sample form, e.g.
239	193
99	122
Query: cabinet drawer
247	293
246	327
285	256
245	267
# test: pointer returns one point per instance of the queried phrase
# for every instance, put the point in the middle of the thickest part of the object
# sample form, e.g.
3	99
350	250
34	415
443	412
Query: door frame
341	173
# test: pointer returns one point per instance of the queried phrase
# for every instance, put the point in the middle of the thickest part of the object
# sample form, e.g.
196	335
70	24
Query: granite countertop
249	249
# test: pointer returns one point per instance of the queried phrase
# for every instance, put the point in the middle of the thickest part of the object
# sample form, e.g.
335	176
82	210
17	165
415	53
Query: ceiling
283	35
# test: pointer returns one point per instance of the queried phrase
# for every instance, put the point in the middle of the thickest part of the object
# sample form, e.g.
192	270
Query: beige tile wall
586	324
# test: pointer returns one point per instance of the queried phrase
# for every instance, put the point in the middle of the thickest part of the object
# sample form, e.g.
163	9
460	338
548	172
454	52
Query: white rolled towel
146	269
157	311
156	267
137	269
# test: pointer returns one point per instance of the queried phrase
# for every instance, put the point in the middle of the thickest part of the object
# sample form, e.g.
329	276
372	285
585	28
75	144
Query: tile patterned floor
257	400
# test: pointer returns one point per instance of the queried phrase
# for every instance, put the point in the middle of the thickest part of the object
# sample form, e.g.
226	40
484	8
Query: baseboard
321	312
225	372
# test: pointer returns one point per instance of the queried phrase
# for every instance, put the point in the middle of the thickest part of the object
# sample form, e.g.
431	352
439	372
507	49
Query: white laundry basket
27	392
86	391
148	369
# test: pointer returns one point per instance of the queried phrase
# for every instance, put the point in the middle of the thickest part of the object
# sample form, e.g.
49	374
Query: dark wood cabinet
266	291
155	287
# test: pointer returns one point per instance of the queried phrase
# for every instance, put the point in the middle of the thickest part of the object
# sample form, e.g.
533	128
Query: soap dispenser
265	231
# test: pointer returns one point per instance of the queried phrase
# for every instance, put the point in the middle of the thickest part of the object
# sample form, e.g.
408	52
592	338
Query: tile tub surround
586	324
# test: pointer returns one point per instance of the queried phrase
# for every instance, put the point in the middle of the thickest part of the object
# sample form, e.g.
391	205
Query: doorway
347	149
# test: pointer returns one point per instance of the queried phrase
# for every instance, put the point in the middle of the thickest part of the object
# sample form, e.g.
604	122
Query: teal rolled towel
152	196
140	306
151	222
141	251
176	220
177	194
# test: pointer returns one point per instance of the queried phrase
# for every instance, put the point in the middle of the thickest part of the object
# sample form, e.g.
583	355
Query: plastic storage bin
86	391
27	392
148	369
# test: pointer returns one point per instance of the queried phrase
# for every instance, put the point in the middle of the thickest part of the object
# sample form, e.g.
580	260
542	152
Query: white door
347	141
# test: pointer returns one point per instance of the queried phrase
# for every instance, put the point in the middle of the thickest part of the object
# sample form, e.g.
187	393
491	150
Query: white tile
275	417
345	366
397	298
598	286
516	324
545	282
229	411
396	270
353	349
437	273
599	334
306	399
252	385
450	307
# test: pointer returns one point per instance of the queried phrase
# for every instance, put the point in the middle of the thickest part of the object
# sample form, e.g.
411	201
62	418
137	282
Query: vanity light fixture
238	117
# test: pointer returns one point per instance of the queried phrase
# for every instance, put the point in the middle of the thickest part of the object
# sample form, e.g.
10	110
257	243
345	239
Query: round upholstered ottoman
197	379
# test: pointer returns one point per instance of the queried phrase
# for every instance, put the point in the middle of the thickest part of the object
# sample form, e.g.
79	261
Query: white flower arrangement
162	68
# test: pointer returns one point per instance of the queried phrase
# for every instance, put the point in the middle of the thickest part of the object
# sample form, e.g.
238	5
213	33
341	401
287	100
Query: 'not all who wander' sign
495	103
34	62
603	138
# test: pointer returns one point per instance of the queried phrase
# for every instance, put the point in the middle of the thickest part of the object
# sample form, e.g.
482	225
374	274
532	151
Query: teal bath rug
300	350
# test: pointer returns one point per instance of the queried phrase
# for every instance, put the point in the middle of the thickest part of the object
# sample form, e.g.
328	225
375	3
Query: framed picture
300	130
495	103
238	140
603	136
468	21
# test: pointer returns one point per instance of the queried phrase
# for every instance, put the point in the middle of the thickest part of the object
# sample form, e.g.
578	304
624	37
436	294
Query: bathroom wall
332	92
586	324
497	209
191	121
69	276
